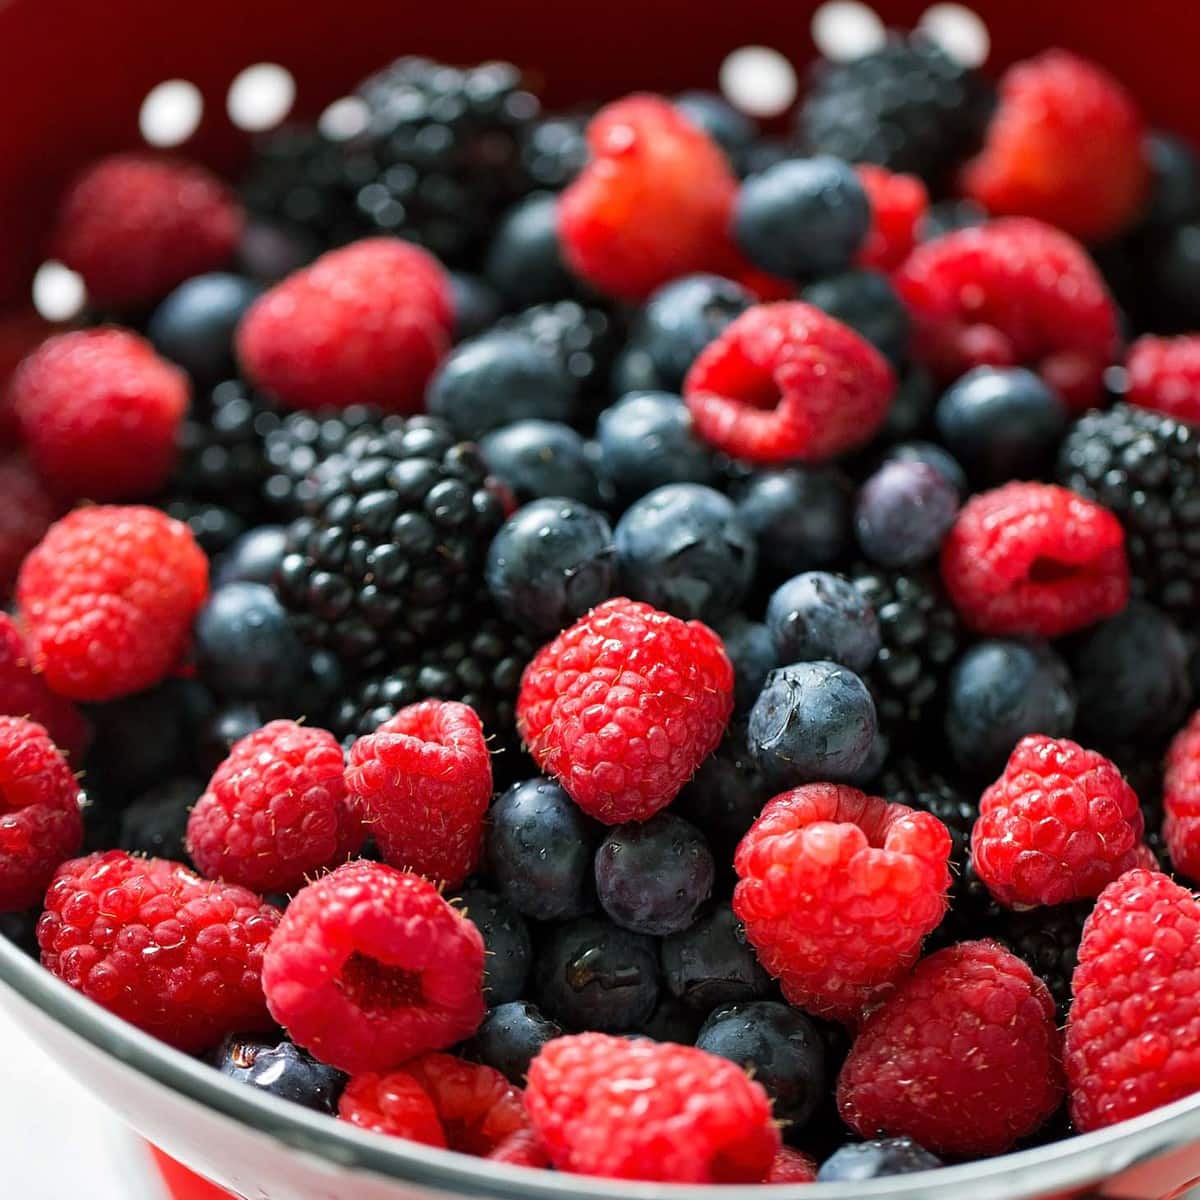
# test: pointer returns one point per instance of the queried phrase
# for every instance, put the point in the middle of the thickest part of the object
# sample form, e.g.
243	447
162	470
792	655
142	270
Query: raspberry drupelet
898	206
1181	799
23	693
1164	374
836	890
370	967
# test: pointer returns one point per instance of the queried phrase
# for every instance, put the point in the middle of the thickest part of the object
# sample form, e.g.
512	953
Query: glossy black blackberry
908	106
1048	940
480	666
388	555
920	639
1145	467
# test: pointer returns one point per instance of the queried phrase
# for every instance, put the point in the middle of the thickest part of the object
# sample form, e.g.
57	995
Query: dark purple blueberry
800	516
903	512
821	616
510	1037
711	963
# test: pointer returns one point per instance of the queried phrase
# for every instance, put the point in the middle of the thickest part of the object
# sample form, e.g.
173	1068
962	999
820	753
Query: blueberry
684	549
1174	278
476	305
949	216
935	456
911	410
752	653
725	795
653	877
269	251
860	1161
592	975
539	849
780	1046
542	458
506	941
800	516
681	318
496	379
633	370
156	823
672	1021
1175	195
245	645
551	562
998	692
867	302
646	440
813	720
227	725
1001	423
730	128
194	325
903	512
712	963
1132	677
524	262
510	1037
253	558
803	217
817	615
281	1068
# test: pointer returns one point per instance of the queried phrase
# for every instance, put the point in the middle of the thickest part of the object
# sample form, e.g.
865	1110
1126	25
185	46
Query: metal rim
1046	1169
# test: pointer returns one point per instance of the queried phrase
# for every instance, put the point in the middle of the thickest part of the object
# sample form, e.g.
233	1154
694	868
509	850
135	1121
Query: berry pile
612	643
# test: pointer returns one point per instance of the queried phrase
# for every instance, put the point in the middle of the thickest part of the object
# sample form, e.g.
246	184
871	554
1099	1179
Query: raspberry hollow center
377	987
1053	570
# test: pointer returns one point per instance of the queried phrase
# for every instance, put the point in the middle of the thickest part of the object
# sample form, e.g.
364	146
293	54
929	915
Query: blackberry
907	106
921	637
1145	467
389	552
480	666
1048	940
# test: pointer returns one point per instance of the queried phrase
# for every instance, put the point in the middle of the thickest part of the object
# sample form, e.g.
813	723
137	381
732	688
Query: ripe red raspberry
134	226
1013	292
624	705
370	967
456	1104
422	782
636	1109
1034	558
521	1149
100	413
964	1057
366	324
27	510
108	597
20	333
276	811
1181	799
654	203
837	890
40	825
1164	374
898	205
786	381
176	955
1060	824
1065	145
790	1166
1133	1032
23	693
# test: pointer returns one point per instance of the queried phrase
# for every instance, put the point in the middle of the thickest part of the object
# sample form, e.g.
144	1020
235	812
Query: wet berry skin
508	947
903	513
711	963
510	1037
800	516
752	653
860	1161
539	458
281	1069
821	616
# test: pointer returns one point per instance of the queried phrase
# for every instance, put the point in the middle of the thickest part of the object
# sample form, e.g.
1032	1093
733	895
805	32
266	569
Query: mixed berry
615	643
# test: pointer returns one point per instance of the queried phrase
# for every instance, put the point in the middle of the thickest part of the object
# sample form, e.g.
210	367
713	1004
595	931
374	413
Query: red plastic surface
183	1184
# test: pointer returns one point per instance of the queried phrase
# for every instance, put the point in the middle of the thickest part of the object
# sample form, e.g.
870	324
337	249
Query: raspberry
20	333
654	203
40	825
1065	145
1133	1035
275	811
23	693
1034	558
521	1149
370	966
836	891
790	1166
100	413
438	1100
898	205
964	1057
422	782
176	955
784	381
1060	824
624	705
366	324
108	597
1164	374
27	510
1181	799
135	226
636	1109
1012	293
